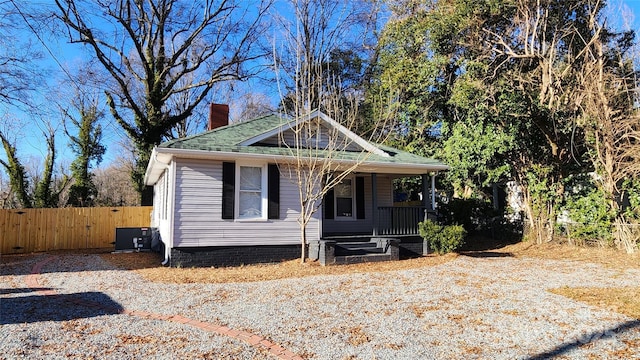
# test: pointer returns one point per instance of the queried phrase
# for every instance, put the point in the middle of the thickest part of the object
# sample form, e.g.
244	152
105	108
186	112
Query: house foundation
220	256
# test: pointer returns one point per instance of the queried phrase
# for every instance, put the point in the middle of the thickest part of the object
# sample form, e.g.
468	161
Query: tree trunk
626	236
303	241
540	218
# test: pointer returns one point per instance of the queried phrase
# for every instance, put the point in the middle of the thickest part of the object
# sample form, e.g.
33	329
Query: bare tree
539	48
112	181
606	98
6	198
326	32
251	105
113	185
180	103
17	72
149	46
317	113
577	74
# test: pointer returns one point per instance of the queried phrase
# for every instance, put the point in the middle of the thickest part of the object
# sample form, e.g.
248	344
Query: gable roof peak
289	122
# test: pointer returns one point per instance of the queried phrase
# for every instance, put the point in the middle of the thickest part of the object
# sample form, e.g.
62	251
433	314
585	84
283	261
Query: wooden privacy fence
34	230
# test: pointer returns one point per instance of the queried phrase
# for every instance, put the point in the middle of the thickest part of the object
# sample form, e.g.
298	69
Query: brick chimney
218	116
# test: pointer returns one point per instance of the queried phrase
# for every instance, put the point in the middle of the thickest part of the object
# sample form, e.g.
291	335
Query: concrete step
356	259
358	248
357	245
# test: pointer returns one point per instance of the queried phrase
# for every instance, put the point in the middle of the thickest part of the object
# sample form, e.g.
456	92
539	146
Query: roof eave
161	157
158	162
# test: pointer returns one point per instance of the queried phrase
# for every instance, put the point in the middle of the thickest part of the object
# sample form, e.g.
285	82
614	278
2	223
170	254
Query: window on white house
344	199
251	192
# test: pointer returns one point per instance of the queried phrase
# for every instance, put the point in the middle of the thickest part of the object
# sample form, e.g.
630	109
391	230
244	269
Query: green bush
589	214
631	189
429	229
442	239
472	214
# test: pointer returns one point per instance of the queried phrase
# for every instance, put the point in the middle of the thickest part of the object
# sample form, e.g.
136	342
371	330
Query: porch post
374	202
433	191
425	190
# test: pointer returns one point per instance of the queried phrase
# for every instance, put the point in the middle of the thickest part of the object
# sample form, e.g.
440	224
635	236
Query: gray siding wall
385	198
198	212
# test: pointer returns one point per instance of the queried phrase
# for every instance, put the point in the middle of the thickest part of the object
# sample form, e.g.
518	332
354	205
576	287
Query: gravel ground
495	307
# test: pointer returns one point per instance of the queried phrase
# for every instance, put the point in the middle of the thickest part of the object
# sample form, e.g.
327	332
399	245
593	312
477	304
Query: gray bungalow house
224	197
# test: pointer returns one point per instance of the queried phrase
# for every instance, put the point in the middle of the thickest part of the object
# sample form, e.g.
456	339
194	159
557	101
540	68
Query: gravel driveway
491	307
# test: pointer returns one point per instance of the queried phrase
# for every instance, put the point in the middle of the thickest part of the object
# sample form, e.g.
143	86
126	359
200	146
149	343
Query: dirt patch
357	336
134	260
608	257
145	266
148	264
482	247
621	300
8	259
624	300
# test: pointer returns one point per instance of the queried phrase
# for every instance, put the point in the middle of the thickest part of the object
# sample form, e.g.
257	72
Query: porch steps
363	249
358	248
360	252
357	259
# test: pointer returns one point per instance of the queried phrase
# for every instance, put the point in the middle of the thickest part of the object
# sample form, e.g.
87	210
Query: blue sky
619	8
622	14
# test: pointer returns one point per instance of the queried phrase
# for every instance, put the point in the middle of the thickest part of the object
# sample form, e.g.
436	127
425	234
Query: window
344	199
250	191
251	185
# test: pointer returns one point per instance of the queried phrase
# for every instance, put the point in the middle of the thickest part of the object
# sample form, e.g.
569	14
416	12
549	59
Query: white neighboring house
221	197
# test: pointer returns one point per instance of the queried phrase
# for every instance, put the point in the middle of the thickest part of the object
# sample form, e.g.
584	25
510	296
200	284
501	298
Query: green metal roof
228	139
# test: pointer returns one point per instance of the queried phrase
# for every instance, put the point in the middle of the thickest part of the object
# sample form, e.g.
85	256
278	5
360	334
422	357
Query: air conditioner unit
138	239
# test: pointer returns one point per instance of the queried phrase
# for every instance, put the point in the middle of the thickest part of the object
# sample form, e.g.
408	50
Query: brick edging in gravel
33	281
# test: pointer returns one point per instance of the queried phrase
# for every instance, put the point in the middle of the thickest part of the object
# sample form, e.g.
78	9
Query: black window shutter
360	198
328	204
273	192
228	189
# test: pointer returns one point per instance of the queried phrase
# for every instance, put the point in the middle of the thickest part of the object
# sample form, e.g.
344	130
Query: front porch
395	236
378	229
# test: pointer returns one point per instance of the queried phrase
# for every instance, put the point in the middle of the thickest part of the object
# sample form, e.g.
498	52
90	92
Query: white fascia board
153	172
163	157
150	166
158	162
